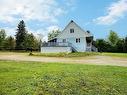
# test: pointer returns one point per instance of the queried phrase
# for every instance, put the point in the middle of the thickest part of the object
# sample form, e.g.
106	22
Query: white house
72	39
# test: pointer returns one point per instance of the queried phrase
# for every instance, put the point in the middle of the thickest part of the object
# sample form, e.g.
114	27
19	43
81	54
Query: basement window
71	30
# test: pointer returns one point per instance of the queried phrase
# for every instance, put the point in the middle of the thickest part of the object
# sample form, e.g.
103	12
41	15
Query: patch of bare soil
97	60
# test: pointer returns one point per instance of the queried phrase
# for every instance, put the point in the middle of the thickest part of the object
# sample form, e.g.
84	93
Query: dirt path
97	60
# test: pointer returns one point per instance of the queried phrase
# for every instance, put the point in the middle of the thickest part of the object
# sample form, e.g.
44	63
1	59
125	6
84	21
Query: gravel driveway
97	60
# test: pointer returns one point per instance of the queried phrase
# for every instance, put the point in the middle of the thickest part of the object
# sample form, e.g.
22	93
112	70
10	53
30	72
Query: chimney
72	21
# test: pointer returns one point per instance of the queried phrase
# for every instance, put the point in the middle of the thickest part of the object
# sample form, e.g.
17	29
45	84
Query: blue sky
42	16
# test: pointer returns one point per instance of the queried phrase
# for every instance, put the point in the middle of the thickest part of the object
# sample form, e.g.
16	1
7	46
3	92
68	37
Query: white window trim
77	40
71	30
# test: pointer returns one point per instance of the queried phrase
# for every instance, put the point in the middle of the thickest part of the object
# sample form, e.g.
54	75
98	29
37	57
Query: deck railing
56	44
59	44
66	44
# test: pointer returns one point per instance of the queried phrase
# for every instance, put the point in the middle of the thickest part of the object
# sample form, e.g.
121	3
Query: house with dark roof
72	39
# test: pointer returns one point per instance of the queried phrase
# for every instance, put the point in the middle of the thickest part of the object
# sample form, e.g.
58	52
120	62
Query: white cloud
45	12
54	27
115	12
9	31
41	10
42	33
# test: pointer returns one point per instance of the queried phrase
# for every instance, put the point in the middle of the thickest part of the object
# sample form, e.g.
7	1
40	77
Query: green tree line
53	34
113	43
27	41
22	40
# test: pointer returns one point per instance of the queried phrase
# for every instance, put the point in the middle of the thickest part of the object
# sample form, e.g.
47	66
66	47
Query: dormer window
71	30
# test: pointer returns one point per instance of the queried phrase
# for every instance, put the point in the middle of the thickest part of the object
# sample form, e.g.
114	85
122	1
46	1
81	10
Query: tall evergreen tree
20	36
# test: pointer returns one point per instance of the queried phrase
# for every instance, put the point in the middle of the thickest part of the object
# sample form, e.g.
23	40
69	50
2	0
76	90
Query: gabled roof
85	32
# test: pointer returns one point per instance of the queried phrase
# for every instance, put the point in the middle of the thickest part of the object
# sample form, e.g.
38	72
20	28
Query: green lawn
34	78
76	54
79	54
115	54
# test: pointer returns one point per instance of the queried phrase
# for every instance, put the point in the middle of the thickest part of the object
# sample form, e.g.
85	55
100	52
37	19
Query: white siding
78	32
80	47
55	49
71	37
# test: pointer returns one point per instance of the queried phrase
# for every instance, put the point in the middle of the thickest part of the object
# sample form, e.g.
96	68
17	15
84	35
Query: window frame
72	30
64	40
77	40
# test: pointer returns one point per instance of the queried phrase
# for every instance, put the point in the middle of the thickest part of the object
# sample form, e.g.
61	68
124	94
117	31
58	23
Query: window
77	40
71	30
64	40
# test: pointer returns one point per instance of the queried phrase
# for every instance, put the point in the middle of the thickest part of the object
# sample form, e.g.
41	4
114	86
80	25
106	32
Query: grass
115	54
79	54
76	54
35	78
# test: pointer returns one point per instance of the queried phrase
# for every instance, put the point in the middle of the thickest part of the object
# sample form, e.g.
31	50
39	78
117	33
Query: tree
31	42
21	35
120	45
113	38
125	44
9	43
102	45
53	34
2	38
